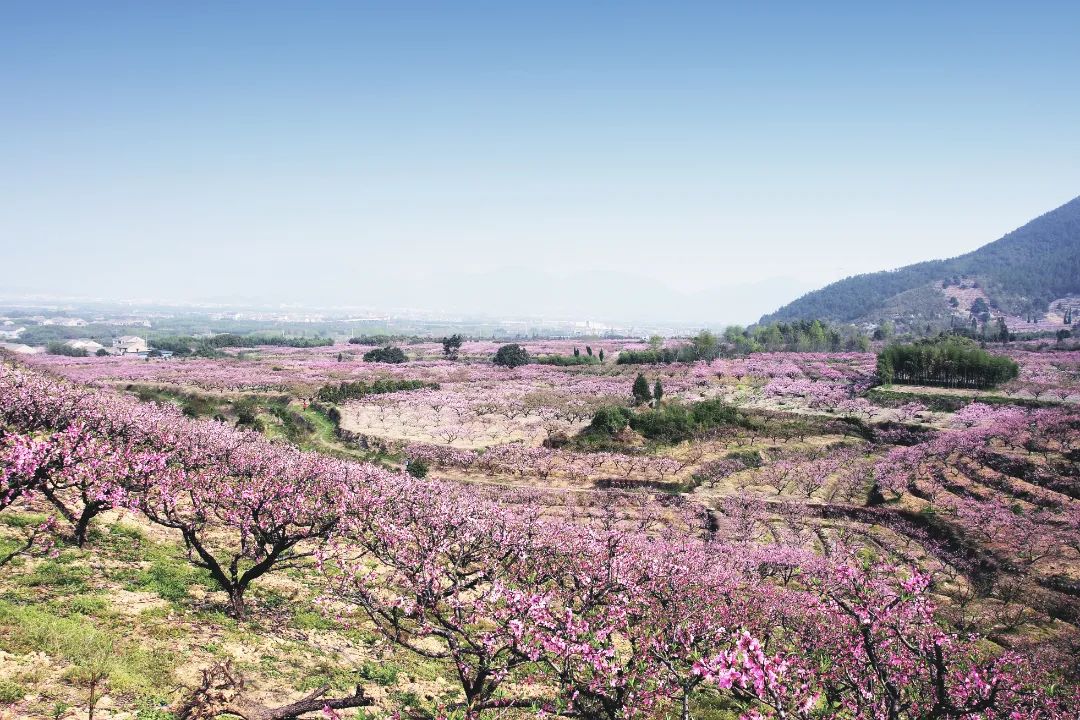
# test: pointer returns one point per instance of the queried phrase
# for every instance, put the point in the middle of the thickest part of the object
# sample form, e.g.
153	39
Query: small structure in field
128	344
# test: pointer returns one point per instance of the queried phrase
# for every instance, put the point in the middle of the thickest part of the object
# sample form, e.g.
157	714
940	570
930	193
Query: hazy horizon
628	162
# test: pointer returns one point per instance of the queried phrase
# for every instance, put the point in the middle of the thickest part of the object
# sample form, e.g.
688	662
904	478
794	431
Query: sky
687	161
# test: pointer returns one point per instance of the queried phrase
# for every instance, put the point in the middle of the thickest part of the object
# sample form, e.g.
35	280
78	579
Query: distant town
30	326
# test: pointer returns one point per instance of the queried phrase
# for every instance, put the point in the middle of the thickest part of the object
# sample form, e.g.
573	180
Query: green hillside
1021	272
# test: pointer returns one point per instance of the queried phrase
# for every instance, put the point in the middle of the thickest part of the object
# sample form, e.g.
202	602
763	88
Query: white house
126	344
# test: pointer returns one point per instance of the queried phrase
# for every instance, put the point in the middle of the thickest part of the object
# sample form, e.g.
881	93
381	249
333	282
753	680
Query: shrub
671	423
567	360
392	355
609	421
58	348
417	468
511	356
10	692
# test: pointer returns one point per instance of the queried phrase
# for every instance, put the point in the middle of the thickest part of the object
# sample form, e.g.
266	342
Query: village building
127	344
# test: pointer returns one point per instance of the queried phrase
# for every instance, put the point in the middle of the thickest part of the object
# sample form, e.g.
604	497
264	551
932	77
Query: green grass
337	678
123	542
59	576
132	666
22	519
170	580
380	673
896	395
153	708
88	605
308	619
11	691
164	572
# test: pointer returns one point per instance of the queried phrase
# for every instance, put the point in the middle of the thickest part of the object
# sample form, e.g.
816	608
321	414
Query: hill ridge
1021	272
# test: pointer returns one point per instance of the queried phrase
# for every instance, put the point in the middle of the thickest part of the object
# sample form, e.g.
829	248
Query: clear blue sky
362	152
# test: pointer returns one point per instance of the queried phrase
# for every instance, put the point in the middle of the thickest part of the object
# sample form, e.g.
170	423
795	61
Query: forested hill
1021	272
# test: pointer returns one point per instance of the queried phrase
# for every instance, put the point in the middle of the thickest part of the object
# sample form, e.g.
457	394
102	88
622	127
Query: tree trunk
236	602
82	525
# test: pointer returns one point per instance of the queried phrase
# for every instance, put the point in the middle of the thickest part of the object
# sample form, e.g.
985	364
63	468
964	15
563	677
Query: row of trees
948	361
704	346
568	360
189	345
796	336
362	388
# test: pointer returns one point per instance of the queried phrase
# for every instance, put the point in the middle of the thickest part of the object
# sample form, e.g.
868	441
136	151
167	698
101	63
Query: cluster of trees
568	360
361	388
983	477
948	360
392	355
543	462
983	330
208	346
797	336
662	356
668	423
704	346
59	348
379	339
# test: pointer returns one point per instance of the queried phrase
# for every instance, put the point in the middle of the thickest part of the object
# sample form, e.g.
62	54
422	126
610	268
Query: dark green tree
658	391
511	356
451	345
706	346
1003	330
640	390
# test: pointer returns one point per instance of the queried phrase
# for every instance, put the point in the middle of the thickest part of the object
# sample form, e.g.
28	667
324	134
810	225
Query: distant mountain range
1020	275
